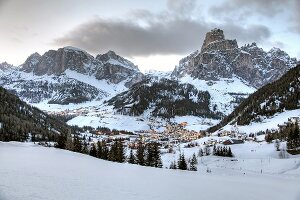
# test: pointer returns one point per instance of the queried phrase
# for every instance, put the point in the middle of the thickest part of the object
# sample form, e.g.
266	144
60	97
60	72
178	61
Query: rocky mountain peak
215	40
116	69
212	36
57	61
4	66
31	62
114	59
222	58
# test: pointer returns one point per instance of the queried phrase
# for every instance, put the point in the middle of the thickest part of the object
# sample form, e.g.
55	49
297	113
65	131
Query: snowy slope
30	172
249	158
270	123
226	93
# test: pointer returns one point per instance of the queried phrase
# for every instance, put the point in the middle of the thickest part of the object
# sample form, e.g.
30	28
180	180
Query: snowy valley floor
32	172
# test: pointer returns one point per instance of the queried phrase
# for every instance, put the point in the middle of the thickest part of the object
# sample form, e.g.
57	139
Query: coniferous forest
283	94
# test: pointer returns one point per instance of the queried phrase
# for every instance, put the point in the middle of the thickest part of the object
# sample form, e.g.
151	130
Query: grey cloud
169	36
130	39
245	8
296	16
248	34
2	2
181	7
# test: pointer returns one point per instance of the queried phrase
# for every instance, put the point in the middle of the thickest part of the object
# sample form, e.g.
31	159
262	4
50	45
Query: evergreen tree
200	153
85	148
193	164
120	156
182	162
69	142
105	151
131	158
93	150
99	150
214	150
116	152
61	142
153	158
140	154
293	140
77	144
229	153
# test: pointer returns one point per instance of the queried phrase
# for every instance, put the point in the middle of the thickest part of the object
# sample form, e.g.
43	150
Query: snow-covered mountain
222	58
269	106
69	75
209	83
163	98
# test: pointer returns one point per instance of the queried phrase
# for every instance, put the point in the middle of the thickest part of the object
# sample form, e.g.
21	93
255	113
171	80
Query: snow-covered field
29	172
267	123
249	158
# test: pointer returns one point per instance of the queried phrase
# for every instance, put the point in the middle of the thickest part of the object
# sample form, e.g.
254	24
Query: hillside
277	97
20	121
163	98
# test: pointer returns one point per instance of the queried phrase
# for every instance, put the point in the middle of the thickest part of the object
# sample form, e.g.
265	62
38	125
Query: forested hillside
281	95
20	121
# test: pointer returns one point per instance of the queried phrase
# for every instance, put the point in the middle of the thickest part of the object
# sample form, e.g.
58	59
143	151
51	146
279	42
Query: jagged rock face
109	66
222	58
215	41
31	62
212	36
5	66
116	69
59	90
69	75
56	62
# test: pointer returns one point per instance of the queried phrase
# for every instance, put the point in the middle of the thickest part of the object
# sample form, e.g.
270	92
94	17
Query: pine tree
93	150
229	153
69	142
200	153
214	150
85	148
105	151
61	142
99	150
77	144
112	152
277	145
140	154
153	158
131	158
120	153
193	164
182	162
293	140
116	152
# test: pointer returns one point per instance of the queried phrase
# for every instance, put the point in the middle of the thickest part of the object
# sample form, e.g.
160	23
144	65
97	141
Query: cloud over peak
144	33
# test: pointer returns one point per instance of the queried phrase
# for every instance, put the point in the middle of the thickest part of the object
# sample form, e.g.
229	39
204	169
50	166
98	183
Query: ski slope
31	172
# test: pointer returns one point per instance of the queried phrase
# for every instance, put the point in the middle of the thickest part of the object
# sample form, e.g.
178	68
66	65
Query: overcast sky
153	34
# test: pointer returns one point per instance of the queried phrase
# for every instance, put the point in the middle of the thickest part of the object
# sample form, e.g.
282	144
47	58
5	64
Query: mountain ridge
222	58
